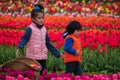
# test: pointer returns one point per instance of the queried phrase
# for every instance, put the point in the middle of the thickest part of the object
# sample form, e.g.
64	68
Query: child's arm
68	46
51	48
25	38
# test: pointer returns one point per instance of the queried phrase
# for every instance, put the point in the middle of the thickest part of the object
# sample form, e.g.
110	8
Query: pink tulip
10	78
78	78
66	78
20	77
96	77
53	78
114	76
26	79
86	77
7	77
59	78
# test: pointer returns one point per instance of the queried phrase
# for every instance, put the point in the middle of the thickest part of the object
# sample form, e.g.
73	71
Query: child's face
39	19
76	32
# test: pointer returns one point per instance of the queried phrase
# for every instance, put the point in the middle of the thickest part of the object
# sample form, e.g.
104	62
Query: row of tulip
54	6
72	14
92	38
61	22
93	61
30	75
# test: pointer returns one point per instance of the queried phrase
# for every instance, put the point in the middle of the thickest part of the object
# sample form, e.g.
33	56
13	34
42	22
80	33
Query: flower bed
7	74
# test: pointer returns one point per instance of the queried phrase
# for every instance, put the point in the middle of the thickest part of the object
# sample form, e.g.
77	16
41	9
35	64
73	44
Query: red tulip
100	50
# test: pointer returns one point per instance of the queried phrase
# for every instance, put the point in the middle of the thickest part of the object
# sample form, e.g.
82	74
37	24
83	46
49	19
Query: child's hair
37	9
71	27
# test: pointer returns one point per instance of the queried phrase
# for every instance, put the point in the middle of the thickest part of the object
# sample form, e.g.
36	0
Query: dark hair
72	26
37	9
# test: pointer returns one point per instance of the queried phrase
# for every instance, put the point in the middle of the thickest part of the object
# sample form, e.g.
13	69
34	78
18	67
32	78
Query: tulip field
100	37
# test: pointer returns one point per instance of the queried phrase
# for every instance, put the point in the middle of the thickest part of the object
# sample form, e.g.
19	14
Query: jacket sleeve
68	46
51	48
25	38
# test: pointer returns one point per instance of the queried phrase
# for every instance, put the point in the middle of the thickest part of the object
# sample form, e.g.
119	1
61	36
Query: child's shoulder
28	29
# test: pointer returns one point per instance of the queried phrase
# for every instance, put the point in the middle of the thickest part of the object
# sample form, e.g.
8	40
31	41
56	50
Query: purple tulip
11	74
0	69
119	75
15	73
2	76
41	78
7	70
52	75
44	72
30	74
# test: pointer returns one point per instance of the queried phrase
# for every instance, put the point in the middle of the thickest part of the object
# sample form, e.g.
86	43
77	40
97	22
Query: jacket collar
39	26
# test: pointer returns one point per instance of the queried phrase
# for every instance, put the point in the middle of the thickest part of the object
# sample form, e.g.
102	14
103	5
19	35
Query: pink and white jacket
36	46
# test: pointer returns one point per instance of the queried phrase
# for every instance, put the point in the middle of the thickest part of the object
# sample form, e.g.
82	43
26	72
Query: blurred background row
111	7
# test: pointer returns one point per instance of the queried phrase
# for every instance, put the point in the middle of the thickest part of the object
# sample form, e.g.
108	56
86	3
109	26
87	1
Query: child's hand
17	51
61	56
77	53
